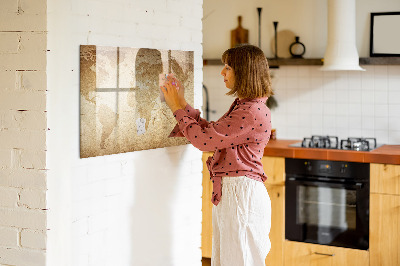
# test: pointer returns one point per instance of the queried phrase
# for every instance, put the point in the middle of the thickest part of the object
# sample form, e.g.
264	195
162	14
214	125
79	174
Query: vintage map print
121	108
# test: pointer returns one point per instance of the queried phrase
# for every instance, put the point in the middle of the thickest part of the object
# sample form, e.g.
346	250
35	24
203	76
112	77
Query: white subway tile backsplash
292	83
355	96
329	123
381	136
394	82
381	123
305	95
329	93
328	74
304	109
342	122
316	82
394	137
355	122
355	132
317	119
291	71
381	84
367	133
382	110
381	97
317	131
394	110
342	109
394	123
347	103
316	72
393	71
304	72
354	80
380	71
303	82
342	96
394	97
368	123
293	120
342	81
329	109
367	96
367	110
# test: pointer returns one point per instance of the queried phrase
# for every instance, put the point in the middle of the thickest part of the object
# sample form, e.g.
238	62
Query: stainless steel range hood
341	51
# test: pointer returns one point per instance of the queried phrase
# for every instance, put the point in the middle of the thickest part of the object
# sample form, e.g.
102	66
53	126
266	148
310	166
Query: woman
242	208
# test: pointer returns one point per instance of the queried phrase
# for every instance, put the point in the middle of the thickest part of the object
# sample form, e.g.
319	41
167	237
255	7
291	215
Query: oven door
327	213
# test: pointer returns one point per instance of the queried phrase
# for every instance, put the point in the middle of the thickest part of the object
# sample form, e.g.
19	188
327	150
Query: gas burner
332	142
327	142
358	144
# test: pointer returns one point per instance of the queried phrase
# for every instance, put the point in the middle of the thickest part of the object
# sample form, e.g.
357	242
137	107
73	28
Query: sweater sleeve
229	131
193	113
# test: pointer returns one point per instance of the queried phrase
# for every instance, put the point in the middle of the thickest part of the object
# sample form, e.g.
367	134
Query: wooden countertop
389	154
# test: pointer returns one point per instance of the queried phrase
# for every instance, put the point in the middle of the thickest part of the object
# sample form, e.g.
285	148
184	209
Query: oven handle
357	185
324	254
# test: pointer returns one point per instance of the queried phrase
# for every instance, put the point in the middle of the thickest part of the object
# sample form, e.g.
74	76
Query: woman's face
229	76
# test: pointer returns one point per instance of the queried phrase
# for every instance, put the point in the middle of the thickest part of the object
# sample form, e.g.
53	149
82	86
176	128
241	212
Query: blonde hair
250	66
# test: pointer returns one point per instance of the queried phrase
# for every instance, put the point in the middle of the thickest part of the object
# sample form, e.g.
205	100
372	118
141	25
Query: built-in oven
327	202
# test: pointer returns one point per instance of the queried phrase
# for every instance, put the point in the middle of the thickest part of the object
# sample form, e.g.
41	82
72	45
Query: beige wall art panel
121	105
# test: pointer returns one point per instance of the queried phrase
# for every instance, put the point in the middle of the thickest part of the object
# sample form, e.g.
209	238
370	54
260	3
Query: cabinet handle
324	254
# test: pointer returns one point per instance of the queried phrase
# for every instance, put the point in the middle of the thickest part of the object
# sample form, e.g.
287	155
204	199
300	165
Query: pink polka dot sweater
238	139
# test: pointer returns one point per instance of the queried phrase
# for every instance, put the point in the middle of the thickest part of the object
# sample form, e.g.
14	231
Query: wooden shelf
274	63
380	61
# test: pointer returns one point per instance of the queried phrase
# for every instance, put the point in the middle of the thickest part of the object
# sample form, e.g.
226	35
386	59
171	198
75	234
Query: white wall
139	208
311	102
306	19
23	133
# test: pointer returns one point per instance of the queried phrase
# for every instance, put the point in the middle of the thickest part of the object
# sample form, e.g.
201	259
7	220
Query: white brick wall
138	208
22	132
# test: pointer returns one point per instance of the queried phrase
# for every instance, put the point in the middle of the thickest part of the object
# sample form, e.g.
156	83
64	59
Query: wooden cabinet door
277	233
385	178
384	236
206	226
304	254
274	168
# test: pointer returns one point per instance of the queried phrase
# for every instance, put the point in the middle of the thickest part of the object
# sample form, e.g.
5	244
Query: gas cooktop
332	142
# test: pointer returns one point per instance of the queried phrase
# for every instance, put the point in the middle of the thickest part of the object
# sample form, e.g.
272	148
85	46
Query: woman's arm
236	129
174	96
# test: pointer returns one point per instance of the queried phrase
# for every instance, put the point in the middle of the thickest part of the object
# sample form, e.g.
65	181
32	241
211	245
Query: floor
206	261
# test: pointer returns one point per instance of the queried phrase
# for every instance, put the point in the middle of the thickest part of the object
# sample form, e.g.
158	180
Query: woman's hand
172	96
181	92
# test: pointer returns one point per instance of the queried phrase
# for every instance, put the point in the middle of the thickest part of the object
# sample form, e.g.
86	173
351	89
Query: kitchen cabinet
305	254
385	178
274	168
206	225
385	215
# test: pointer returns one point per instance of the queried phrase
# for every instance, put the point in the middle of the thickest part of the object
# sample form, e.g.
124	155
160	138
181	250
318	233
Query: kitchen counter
389	154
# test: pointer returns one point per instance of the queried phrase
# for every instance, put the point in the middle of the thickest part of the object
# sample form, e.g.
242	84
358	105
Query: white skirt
241	223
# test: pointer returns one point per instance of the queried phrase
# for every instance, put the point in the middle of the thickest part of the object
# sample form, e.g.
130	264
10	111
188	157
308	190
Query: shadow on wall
154	204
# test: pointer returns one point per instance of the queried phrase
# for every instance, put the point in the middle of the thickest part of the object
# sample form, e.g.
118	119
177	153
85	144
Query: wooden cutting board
239	35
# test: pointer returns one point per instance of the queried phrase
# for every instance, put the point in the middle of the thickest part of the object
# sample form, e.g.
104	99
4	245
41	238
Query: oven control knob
308	166
343	168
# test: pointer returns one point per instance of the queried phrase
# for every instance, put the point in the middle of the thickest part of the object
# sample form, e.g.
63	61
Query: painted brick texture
138	208
23	125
